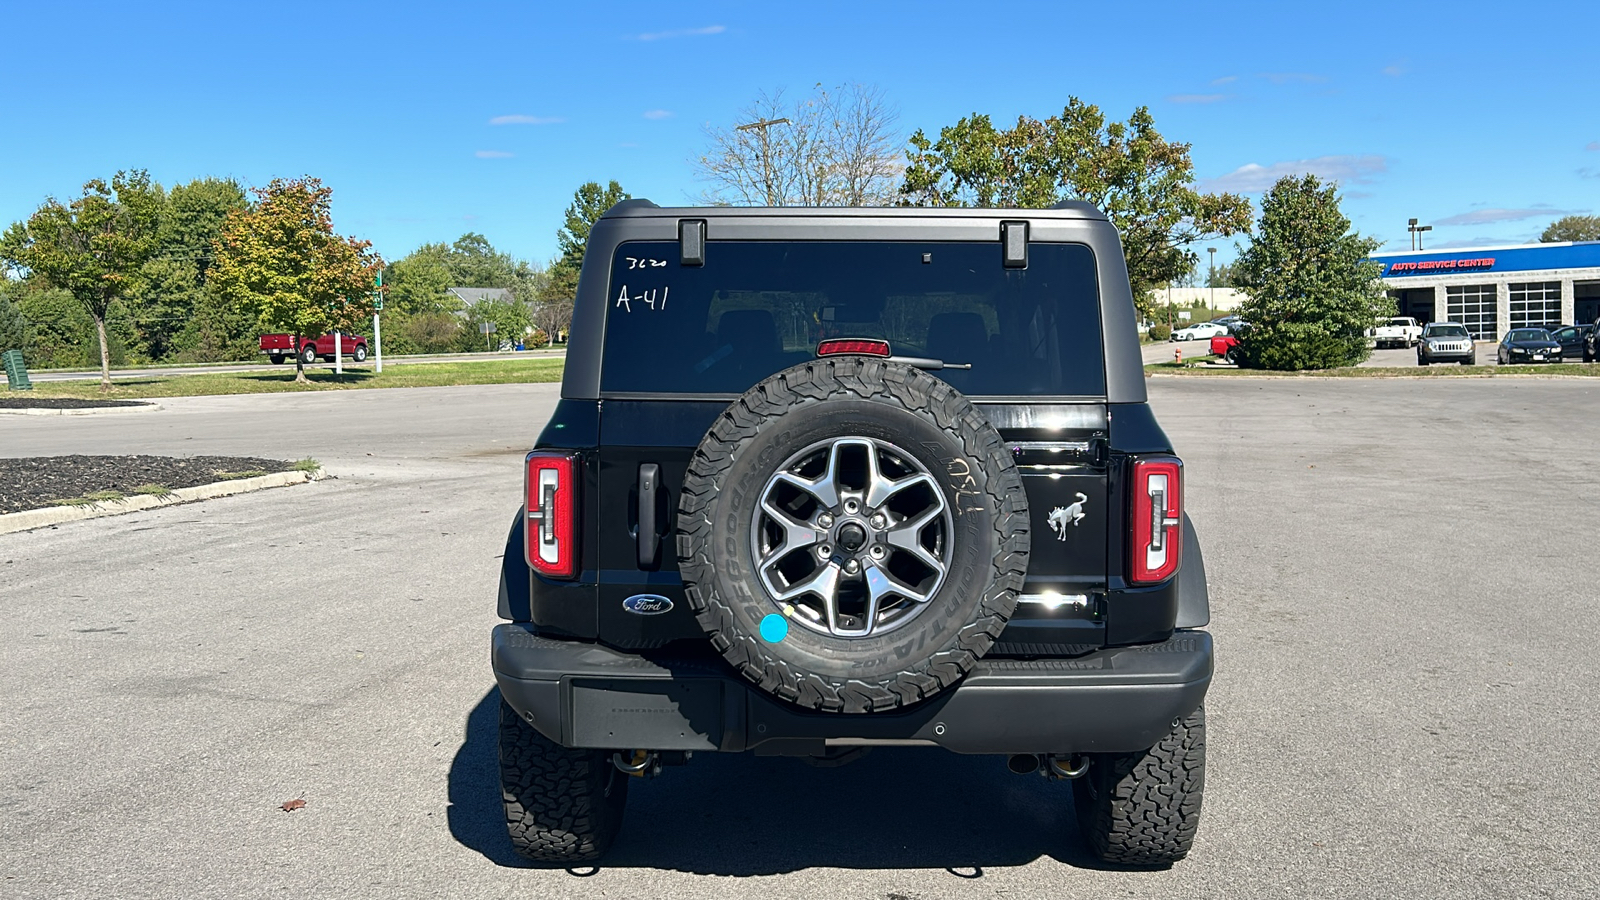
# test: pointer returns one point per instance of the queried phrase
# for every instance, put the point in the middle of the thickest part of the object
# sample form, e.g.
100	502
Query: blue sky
429	120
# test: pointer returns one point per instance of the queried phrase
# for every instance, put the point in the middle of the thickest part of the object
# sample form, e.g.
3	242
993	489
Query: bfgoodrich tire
1142	809
852	535
562	805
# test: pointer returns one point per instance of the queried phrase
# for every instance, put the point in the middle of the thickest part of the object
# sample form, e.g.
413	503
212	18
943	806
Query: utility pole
1211	279
766	156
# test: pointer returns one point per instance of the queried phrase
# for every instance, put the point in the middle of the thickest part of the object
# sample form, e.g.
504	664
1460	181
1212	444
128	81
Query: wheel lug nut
825	520
852	567
878	521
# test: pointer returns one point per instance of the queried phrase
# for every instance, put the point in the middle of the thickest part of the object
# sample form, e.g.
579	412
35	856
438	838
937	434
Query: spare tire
852	535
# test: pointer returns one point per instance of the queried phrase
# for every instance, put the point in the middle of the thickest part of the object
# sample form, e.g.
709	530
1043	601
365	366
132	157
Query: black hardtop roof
642	208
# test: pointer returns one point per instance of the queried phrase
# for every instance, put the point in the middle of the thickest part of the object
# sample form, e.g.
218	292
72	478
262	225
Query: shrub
1160	332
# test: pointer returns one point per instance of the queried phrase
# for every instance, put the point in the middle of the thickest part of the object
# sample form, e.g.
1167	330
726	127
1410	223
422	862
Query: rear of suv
823	480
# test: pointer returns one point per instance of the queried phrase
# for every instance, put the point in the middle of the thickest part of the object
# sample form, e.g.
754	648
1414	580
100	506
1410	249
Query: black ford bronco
822	480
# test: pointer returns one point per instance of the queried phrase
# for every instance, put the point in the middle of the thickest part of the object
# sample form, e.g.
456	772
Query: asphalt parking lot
1407	700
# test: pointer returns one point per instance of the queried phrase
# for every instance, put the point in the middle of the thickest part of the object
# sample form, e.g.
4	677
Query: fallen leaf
292	805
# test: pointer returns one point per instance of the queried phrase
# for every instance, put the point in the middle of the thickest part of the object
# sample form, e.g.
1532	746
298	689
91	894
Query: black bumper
1113	700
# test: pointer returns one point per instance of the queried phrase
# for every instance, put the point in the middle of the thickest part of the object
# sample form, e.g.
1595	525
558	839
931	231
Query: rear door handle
649	542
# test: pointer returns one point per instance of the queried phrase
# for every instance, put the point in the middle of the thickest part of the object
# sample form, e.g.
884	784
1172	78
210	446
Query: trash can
16	372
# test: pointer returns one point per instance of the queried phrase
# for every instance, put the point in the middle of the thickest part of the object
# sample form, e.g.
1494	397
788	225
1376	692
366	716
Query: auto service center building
1492	290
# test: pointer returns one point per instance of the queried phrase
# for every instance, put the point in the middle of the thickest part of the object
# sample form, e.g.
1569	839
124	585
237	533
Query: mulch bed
64	403
36	481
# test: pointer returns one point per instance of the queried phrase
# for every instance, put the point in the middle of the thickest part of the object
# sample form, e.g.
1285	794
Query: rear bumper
1113	700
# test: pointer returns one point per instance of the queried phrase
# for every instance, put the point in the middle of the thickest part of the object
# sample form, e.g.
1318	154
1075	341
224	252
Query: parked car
781	527
1443	342
1400	331
1226	348
1199	331
1574	341
279	347
1527	345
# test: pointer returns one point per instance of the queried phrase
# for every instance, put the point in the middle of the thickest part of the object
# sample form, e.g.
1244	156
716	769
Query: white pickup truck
1400	331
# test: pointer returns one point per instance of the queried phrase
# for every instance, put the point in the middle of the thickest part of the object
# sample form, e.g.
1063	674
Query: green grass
307	465
235	476
1590	370
153	490
511	371
92	499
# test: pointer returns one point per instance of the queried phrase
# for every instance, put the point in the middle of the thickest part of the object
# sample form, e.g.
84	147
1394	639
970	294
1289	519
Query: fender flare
1194	599
516	601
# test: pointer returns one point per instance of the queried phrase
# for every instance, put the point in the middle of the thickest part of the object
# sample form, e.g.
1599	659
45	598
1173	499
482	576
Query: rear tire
277	359
563	805
1142	809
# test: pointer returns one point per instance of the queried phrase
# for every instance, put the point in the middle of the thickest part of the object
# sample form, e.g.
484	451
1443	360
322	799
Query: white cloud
1592	145
1226	79
658	114
1394	71
1254	177
493	154
1287	77
680	32
1196	98
1589	172
525	120
1495	214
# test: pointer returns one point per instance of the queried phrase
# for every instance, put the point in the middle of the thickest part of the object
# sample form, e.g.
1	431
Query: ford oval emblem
647	604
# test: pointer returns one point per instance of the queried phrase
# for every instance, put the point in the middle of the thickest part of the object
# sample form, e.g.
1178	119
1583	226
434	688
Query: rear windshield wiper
923	362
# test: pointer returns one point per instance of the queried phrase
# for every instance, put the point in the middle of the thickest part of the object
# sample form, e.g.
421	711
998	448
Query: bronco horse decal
1062	516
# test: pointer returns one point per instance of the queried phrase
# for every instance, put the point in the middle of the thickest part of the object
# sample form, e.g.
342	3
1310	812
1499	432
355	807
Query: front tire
361	353
1142	809
563	805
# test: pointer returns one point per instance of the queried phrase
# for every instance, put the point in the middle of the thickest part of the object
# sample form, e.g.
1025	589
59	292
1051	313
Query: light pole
1416	233
766	154
1211	279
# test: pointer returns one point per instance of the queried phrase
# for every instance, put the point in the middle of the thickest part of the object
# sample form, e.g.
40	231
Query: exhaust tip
1023	763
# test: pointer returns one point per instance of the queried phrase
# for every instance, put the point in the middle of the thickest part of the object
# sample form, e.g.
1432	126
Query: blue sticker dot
774	628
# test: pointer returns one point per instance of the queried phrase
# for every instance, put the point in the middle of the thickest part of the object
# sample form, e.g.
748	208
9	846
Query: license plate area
637	713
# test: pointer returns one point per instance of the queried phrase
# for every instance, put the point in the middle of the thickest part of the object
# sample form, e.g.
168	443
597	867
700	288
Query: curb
81	411
44	517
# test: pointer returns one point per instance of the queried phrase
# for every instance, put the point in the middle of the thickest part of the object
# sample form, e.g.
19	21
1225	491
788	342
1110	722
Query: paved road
165	371
1407	702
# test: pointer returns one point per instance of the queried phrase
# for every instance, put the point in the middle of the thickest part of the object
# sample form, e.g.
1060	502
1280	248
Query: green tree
282	262
1572	228
1141	181
420	282
510	319
473	262
172	311
1312	290
1221	276
94	248
15	332
589	202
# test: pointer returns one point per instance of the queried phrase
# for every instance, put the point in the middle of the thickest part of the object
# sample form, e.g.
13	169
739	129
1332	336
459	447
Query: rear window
757	307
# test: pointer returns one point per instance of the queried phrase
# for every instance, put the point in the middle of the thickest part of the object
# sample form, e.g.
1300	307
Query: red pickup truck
287	346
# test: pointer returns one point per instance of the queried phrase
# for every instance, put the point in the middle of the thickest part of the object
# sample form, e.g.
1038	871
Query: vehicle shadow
739	814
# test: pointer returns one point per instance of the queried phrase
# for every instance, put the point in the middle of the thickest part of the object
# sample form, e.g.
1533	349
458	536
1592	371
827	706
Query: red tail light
550	493
843	346
1157	517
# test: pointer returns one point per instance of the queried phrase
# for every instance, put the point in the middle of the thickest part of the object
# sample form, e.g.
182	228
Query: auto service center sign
1440	265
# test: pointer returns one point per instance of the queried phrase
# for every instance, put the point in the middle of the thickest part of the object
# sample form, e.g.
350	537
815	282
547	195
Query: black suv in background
823	480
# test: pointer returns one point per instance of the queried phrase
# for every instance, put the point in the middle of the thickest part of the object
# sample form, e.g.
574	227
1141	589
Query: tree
1140	180
552	317
1221	276
1572	228
94	247
1312	290
828	149
473	262
509	317
15	332
589	202
420	282
282	262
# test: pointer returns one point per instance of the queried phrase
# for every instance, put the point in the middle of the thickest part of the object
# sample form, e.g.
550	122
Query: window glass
757	307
